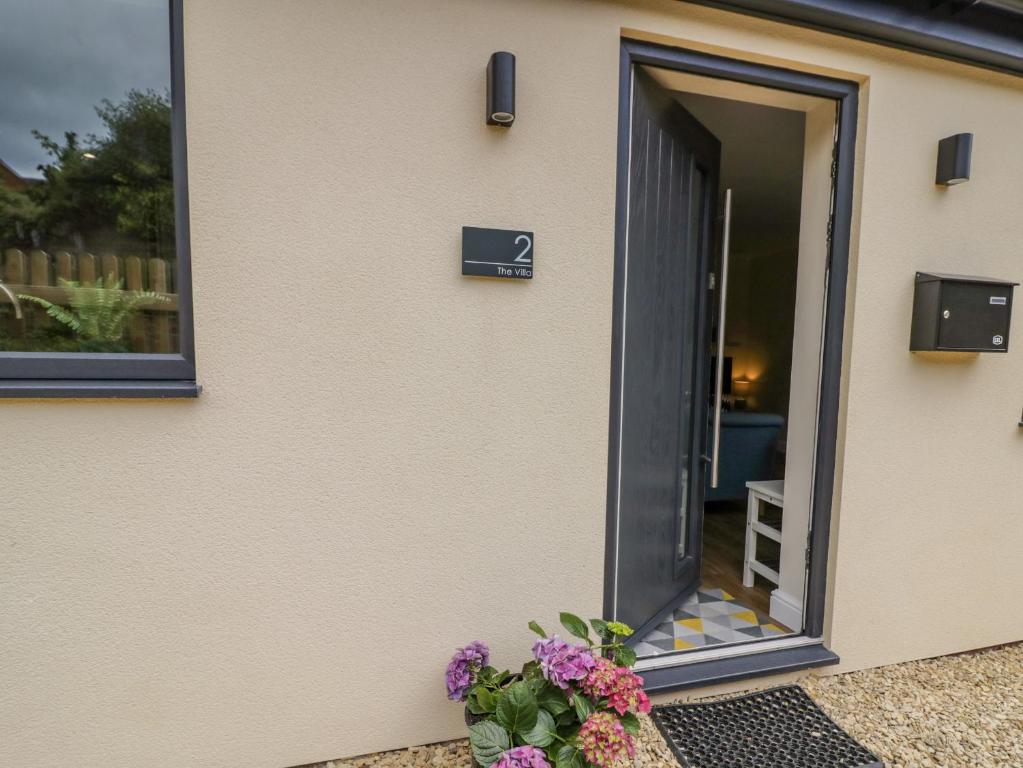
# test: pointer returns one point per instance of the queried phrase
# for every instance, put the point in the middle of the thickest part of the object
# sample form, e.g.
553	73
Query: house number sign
497	253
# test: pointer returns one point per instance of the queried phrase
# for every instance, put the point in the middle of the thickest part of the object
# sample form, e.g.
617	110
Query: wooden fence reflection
38	273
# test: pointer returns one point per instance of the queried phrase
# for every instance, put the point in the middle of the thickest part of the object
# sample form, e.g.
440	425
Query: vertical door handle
726	235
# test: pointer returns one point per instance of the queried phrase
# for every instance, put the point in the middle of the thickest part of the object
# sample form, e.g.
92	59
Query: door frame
845	93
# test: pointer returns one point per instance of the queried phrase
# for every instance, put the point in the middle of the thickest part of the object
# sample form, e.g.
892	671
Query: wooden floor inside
724	545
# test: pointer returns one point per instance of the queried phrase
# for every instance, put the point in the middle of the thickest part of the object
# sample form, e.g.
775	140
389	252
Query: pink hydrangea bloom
560	662
622	687
605	743
522	757
600	680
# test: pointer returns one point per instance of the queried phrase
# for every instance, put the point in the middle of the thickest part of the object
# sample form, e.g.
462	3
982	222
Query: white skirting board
787	609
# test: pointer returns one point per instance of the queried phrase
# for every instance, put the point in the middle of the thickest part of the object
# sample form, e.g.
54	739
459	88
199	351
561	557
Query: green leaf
553	699
600	627
568	717
486	701
488	741
630	723
543	732
567	733
531	671
517	708
472	702
537	628
575	626
625	656
569	757
583	707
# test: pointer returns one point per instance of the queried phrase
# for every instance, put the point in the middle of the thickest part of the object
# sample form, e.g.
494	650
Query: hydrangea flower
463	667
604	741
561	662
522	757
619	628
622	687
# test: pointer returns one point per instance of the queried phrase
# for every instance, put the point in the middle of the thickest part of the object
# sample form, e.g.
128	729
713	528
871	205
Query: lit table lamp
741	388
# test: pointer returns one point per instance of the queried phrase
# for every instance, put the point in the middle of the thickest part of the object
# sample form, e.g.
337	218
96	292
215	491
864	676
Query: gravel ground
950	712
962	711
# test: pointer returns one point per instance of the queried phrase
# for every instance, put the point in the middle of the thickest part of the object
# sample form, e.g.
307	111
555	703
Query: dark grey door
672	192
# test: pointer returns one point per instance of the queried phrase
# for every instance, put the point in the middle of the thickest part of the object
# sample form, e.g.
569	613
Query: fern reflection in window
87	221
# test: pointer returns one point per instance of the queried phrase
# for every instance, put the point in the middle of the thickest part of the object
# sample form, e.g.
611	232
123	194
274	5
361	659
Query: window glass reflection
86	184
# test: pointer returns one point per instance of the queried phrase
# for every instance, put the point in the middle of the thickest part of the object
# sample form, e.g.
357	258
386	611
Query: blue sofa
748	445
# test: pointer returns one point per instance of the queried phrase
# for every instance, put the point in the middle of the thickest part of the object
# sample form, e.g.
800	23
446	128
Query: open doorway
727	245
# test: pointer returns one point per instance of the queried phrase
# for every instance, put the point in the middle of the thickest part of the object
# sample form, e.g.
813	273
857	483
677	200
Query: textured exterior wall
389	460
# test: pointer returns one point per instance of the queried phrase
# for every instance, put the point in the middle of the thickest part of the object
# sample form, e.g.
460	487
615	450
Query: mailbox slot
954	313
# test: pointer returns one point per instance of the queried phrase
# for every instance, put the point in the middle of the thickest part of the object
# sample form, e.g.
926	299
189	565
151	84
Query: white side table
760	492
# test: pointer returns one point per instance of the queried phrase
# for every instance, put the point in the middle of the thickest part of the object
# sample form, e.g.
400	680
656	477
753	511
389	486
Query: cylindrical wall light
501	89
954	159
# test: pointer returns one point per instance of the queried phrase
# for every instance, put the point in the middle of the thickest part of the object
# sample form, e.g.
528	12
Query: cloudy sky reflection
60	58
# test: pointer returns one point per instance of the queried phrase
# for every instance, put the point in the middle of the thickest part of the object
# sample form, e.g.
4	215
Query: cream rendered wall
389	460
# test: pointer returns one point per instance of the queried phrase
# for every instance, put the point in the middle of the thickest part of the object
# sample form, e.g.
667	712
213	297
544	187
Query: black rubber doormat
778	728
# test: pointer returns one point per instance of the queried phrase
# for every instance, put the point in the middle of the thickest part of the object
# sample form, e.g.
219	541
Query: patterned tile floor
708	617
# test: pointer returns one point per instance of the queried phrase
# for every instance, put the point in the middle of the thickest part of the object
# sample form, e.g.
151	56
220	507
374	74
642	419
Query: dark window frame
846	94
98	374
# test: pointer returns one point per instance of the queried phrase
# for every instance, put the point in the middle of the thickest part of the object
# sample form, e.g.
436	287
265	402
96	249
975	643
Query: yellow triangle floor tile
726	596
694	624
748	616
682	645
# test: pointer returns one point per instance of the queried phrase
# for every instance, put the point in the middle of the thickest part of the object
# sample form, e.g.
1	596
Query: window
95	291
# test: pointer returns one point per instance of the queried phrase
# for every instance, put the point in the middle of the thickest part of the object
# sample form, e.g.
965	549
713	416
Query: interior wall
762	162
759	323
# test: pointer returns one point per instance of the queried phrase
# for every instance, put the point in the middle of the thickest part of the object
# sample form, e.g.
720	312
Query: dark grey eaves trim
97	388
701	673
981	35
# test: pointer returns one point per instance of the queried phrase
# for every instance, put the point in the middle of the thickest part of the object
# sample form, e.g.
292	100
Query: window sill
83	388
712	672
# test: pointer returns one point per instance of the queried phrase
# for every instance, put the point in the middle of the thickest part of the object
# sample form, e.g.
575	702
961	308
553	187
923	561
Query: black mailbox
953	313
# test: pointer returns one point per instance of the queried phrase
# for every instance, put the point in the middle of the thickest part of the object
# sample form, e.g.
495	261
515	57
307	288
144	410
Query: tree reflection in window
89	246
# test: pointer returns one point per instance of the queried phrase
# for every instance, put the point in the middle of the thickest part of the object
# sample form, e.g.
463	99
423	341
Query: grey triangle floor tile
750	631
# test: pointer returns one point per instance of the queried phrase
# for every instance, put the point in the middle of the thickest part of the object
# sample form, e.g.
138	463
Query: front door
673	182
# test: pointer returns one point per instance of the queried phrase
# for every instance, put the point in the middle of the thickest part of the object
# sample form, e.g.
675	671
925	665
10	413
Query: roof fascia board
979	35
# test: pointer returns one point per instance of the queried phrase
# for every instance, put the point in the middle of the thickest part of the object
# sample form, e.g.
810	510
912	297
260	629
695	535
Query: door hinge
809	542
712	281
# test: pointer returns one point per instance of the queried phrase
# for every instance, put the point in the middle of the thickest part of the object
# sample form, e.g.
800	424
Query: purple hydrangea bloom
522	757
561	662
463	667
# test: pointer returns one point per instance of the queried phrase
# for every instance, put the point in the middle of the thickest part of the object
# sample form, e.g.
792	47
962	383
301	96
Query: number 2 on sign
522	258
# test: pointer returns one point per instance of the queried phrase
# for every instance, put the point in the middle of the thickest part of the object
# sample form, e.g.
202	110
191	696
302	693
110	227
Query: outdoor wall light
954	159
501	89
